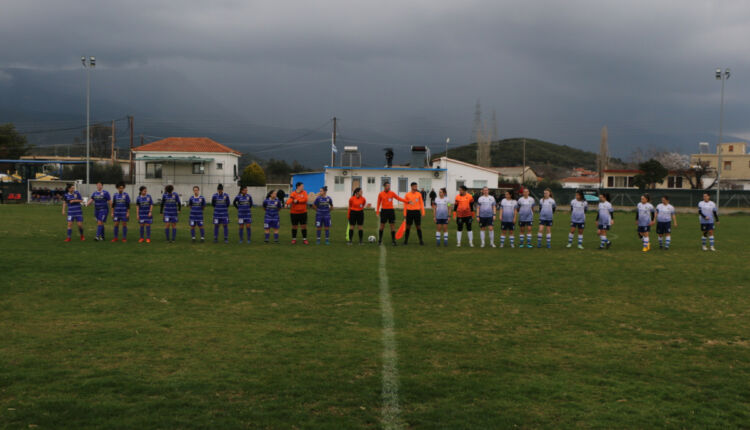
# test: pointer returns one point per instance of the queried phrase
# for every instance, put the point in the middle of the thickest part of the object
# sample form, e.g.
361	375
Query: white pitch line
391	411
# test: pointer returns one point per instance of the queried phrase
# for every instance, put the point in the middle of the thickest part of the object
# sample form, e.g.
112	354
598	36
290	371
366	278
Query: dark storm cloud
555	70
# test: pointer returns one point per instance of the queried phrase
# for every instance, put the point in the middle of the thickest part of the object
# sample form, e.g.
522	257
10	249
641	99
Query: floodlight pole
723	76
91	64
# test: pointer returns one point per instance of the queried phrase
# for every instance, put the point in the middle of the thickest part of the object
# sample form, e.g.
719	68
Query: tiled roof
185	144
581	179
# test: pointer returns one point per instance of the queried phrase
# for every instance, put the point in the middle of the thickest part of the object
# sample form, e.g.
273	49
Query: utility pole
131	170
723	76
91	64
113	143
333	144
523	172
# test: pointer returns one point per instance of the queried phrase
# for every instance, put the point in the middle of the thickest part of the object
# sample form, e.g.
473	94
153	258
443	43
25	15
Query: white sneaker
458	245
704	248
713	249
493	245
482	245
471	244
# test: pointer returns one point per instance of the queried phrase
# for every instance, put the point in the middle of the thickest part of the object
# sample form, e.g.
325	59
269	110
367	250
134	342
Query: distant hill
549	160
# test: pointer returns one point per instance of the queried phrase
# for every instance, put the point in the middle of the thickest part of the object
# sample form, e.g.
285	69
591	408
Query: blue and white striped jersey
74	209
220	202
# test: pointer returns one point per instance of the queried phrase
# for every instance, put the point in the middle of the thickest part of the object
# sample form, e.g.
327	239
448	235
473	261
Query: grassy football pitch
121	336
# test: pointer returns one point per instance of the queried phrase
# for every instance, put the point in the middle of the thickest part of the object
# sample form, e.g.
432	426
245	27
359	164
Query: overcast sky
556	70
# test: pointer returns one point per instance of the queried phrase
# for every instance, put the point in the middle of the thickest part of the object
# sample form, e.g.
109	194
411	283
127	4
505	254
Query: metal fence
678	198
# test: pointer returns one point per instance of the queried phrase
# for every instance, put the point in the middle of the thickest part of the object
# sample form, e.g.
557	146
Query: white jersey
441	208
509	209
578	210
547	209
526	209
486	206
605	213
664	212
707	209
645	211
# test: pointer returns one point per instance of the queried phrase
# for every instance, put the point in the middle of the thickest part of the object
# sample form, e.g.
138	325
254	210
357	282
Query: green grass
102	335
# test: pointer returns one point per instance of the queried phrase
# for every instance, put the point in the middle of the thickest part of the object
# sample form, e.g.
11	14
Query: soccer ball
371	239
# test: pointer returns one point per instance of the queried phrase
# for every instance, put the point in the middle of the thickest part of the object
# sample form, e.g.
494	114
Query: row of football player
486	209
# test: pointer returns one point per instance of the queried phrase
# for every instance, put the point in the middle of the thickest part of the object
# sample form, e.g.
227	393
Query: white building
342	181
580	182
184	162
462	173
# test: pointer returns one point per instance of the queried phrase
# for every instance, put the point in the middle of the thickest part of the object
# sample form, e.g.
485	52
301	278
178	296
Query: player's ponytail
356	190
68	187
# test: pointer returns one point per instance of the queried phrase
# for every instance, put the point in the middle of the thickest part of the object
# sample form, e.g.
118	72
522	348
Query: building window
425	184
479	183
727	165
153	170
219	166
631	181
197	169
338	183
235	171
679	182
610	181
460	183
403	185
731	148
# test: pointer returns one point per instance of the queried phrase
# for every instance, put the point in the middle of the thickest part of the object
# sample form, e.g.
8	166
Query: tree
12	144
652	172
673	160
253	176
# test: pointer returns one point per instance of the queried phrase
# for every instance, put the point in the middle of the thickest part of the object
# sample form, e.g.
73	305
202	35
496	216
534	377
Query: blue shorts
145	220
486	221
196	223
243	221
604	227
441	221
268	224
170	219
322	221
120	218
507	226
578	224
525	223
545	222
644	228
101	215
75	218
707	227
221	220
664	227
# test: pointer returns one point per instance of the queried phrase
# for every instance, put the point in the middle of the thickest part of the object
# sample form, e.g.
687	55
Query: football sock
580	239
304	233
124	232
148	232
117	231
570	237
69	232
360	236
